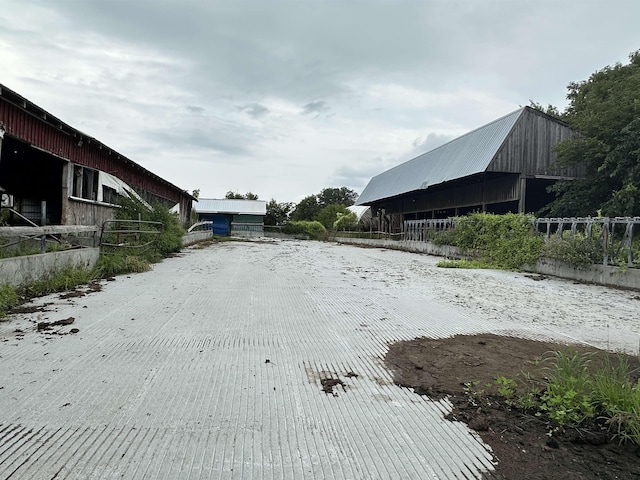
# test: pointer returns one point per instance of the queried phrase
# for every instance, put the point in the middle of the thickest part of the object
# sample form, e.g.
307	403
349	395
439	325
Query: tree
196	193
337	196
277	213
604	111
329	214
307	209
231	195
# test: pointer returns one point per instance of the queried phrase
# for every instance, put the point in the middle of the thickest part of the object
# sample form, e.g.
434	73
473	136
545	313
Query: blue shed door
221	225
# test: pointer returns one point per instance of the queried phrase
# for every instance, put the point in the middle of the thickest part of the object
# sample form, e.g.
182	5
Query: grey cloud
255	110
315	108
194	109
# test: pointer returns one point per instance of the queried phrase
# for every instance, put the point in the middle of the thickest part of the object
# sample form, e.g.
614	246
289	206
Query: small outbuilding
242	218
504	166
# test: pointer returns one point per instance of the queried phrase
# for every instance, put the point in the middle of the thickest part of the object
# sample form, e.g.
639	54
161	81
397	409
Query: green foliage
329	214
313	230
504	241
345	221
506	387
57	281
463	263
306	210
618	400
170	239
231	195
118	264
567	398
576	250
337	196
605	112
9	298
579	388
310	207
277	213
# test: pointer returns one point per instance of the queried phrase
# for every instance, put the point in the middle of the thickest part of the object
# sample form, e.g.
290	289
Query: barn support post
43	222
523	195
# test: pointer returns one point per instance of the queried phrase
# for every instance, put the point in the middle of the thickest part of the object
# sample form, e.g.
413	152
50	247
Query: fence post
43	222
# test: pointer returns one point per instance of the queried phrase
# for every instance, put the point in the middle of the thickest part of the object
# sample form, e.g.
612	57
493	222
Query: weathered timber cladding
482	192
528	149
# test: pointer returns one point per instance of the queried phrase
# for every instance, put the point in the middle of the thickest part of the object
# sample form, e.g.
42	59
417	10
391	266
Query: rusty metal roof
231	206
466	155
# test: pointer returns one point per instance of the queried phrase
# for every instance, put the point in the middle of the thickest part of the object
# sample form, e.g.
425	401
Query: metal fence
134	235
25	240
614	235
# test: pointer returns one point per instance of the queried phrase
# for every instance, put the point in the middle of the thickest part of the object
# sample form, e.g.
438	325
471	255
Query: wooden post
43	222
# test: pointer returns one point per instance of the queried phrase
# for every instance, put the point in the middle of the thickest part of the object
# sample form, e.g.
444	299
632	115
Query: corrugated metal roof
466	155
360	211
236	207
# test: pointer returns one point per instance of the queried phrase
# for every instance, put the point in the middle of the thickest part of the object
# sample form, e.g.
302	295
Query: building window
85	183
110	195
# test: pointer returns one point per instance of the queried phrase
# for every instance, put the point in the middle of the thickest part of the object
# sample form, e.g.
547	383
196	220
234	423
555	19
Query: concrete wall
597	274
447	251
195	237
30	268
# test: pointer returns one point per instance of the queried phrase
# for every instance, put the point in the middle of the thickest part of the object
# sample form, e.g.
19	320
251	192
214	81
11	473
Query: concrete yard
211	366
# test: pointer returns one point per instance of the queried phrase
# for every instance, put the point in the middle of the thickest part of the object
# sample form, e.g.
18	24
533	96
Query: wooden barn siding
35	131
528	149
84	213
497	190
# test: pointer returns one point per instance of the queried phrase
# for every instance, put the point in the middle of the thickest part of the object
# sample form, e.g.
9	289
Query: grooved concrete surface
210	366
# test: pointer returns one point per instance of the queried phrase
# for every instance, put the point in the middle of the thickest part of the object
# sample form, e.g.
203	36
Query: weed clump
579	390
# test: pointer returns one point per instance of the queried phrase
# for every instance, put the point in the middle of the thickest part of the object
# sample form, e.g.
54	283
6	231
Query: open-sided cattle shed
44	159
504	166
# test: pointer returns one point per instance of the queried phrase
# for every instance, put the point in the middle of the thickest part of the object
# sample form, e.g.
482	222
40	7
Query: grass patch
119	264
9	298
579	390
463	263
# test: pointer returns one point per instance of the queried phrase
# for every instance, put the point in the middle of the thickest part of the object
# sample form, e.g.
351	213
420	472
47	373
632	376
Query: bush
577	250
504	241
170	238
313	230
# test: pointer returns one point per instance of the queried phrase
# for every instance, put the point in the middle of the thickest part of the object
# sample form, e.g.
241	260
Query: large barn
504	166
42	159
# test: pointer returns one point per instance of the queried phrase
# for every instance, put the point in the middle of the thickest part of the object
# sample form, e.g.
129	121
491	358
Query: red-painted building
44	159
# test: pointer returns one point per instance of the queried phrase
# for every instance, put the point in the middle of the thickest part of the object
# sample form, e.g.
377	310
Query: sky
285	98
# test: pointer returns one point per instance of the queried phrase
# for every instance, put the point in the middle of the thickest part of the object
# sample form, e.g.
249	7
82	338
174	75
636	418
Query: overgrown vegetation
313	230
576	250
500	241
118	260
575	390
462	263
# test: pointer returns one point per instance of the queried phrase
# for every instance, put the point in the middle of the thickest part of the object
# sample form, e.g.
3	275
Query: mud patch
72	294
328	385
450	367
43	326
31	309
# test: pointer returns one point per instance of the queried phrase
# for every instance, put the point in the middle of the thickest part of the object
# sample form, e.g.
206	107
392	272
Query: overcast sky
284	98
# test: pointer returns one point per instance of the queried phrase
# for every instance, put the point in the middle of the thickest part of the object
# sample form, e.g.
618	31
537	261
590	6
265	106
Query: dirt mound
464	369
